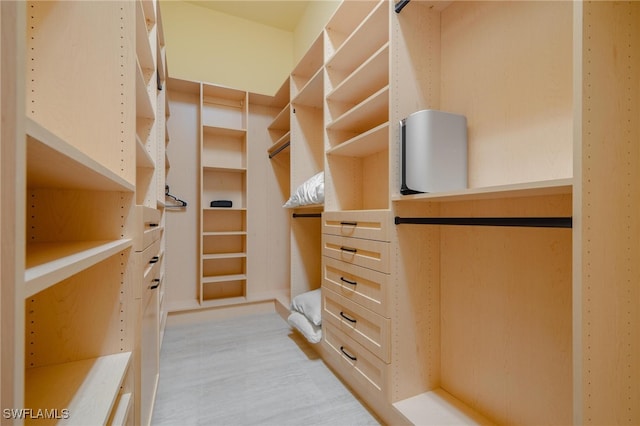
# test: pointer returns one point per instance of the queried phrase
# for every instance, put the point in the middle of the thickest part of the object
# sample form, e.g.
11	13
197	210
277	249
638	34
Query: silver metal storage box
433	152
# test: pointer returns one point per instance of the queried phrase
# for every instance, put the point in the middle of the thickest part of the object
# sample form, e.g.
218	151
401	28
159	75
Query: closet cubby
343	24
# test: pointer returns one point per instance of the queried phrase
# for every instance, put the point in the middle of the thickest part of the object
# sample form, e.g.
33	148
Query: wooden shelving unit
87	159
223	162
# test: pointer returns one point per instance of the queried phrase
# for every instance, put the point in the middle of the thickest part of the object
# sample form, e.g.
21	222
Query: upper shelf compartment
54	163
507	67
224	107
308	68
346	19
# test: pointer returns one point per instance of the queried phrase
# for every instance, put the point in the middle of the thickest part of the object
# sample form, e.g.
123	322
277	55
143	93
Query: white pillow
309	304
310	192
311	332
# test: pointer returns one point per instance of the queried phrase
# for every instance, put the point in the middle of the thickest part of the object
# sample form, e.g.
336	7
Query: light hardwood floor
251	370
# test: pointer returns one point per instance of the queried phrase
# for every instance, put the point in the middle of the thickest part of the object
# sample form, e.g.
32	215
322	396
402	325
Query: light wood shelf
349	15
122	412
54	163
143	47
223	278
206	256
281	122
369	113
49	263
527	189
437	408
144	107
307	67
362	44
311	94
143	158
364	144
87	388
370	76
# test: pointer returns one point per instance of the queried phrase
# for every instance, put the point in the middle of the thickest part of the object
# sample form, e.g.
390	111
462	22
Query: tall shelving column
307	159
80	175
356	263
223	176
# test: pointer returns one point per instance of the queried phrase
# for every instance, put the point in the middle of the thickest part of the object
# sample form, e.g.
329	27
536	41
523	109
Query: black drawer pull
342	314
153	225
351	357
154	286
343	279
349	223
349	249
154	259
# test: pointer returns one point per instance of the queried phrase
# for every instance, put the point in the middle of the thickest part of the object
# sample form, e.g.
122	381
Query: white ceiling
282	14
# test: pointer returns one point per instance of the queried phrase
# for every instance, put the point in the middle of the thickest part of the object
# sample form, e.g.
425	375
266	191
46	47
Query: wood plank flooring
250	370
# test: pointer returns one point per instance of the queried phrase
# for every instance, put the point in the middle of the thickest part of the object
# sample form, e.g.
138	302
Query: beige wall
206	45
311	24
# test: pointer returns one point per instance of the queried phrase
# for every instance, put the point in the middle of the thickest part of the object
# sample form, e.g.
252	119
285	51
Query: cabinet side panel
183	178
610	175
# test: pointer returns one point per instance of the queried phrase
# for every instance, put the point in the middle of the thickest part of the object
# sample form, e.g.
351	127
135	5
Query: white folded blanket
311	332
306	315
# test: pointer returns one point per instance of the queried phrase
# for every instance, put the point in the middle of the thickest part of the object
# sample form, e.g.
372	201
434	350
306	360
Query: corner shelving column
80	182
307	159
223	176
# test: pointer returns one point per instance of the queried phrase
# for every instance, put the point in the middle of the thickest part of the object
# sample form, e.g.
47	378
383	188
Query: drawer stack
148	261
356	297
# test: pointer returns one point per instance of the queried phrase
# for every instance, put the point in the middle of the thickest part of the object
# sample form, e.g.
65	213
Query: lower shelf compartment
438	407
223	287
79	392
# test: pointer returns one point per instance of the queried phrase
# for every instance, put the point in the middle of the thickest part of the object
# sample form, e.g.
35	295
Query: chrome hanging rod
280	149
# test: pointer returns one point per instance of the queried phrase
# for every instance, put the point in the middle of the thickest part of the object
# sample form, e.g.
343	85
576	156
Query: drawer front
366	287
367	253
353	362
150	266
369	224
148	229
369	329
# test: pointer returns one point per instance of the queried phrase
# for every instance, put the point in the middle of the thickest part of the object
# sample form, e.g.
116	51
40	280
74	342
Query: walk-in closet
323	212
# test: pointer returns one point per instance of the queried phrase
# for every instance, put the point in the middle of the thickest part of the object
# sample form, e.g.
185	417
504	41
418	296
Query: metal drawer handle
343	279
351	357
349	223
349	249
154	286
154	259
342	314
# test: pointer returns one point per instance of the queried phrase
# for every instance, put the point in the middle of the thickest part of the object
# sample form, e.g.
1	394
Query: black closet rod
277	151
401	4
531	222
295	215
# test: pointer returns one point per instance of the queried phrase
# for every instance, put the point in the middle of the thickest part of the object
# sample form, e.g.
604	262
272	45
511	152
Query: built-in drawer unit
148	227
367	253
368	224
362	325
364	286
354	362
148	264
